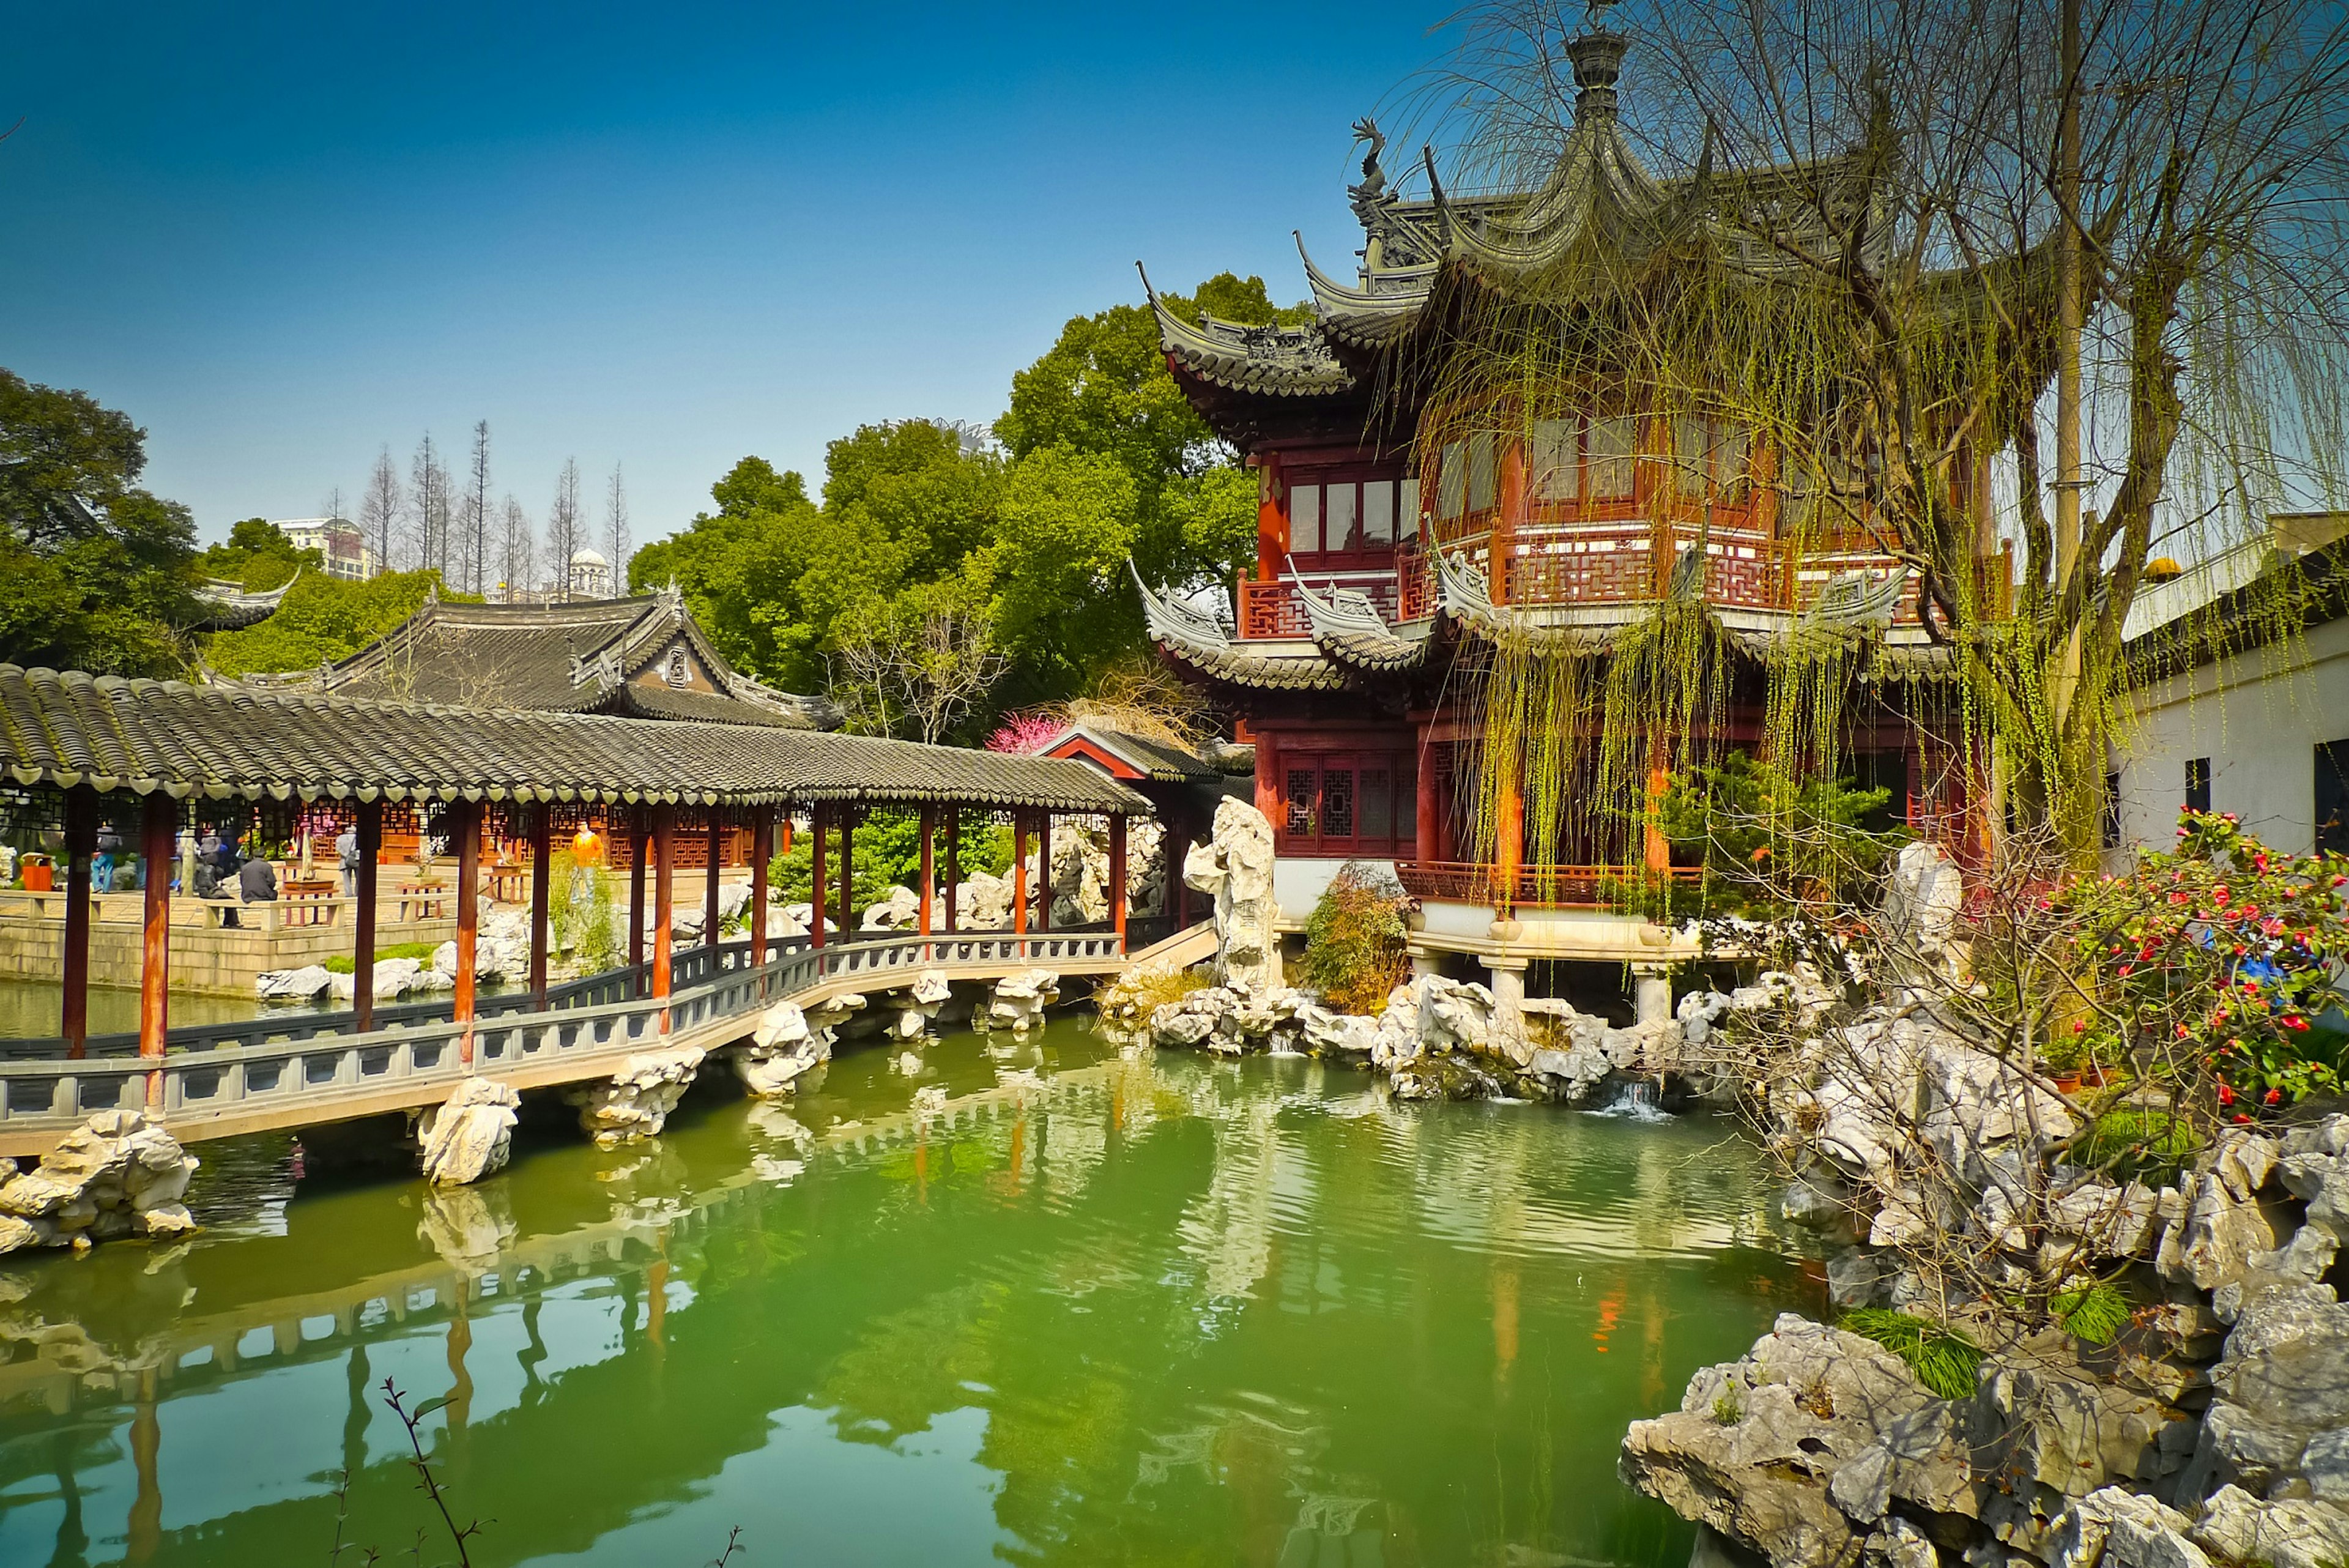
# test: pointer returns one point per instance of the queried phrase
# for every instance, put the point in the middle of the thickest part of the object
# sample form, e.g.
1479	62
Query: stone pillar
1508	984
1423	961
1652	993
81	843
370	830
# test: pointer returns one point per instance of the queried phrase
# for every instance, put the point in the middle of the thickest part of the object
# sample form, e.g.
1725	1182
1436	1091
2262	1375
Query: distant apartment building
338	540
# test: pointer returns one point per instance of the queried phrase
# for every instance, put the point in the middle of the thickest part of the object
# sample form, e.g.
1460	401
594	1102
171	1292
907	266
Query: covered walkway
162	758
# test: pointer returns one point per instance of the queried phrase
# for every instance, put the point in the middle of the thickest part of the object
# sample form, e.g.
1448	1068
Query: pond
1101	1308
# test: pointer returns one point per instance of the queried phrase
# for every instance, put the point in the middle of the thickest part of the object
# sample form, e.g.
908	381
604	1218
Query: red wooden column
1117	879
1044	871
762	849
81	843
638	847
1656	849
819	827
1427	808
370	829
709	895
467	818
930	868
158	827
1020	873
541	893
848	910
1509	850
663	890
954	858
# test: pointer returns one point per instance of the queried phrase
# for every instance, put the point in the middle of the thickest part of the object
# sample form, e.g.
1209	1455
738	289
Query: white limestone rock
636	1103
304	984
115	1175
2123	1530
900	910
471	1133
919	1004
1571	1074
781	1049
1235	868
983	903
1019	1000
2236	1527
1923	897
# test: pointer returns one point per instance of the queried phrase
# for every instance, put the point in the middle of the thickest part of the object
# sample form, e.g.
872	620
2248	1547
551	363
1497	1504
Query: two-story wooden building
1404	541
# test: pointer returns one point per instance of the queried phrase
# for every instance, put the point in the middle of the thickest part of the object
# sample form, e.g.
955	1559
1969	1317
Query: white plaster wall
1297	883
2258	716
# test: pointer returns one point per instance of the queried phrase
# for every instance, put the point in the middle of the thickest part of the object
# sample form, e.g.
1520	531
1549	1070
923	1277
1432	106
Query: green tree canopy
323	617
100	572
1101	461
258	557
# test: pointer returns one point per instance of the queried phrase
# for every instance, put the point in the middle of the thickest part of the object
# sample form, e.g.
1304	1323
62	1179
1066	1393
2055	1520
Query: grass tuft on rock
2096	1312
1944	1360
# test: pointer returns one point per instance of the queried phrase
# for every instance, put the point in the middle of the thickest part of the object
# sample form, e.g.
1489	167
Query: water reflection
1093	1307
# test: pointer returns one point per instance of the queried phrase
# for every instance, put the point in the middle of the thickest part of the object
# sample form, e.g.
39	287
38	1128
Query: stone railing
305	1060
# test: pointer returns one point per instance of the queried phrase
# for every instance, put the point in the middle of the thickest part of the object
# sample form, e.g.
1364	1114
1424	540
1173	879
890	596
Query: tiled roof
71	728
563	658
1163	762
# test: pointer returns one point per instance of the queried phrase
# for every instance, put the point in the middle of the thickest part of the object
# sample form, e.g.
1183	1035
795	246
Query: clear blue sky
279	236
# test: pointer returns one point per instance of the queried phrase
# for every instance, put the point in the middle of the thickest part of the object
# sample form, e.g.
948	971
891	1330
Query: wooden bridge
304	1070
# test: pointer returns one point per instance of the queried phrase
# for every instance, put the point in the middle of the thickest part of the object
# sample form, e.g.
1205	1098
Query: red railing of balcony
1592	563
1273	610
1537	888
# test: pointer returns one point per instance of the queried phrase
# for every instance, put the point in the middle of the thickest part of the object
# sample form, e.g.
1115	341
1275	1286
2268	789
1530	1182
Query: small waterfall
1635	1100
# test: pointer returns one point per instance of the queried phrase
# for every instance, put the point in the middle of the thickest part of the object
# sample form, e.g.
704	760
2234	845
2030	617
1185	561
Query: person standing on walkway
346	855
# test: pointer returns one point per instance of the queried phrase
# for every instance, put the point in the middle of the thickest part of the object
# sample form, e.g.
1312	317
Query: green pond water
34	1009
1155	1309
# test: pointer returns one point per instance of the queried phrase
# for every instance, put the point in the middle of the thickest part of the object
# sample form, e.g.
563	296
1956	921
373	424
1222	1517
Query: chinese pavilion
1403	548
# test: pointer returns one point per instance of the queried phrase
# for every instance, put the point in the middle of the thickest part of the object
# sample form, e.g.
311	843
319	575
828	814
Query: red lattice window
1348	804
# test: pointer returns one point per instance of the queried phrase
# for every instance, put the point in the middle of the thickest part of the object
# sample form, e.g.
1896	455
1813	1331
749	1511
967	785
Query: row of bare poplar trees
480	542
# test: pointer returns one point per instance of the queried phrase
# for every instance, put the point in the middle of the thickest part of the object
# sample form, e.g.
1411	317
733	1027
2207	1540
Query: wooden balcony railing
1273	610
1548	565
1537	888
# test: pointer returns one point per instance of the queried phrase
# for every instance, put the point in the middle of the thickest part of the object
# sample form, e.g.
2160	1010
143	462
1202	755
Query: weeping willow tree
2063	278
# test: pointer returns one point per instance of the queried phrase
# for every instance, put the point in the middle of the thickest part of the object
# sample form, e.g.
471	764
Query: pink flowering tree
1026	733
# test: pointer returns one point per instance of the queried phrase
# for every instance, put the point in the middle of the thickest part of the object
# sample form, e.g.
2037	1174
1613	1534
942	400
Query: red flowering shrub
2220	959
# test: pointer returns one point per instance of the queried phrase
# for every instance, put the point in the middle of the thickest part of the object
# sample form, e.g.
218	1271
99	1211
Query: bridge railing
306	1057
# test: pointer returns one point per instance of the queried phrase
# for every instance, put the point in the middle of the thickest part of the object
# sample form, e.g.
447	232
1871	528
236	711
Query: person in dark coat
207	884
256	881
225	862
